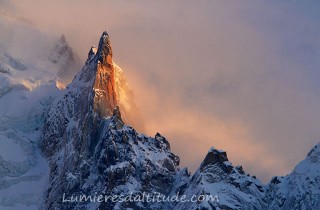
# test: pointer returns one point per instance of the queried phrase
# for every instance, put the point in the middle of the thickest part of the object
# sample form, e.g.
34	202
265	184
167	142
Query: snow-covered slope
23	171
28	85
300	189
230	187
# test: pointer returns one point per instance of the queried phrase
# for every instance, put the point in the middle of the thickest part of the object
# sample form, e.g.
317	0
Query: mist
242	77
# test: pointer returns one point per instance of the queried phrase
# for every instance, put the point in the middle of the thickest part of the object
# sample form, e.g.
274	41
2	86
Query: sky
239	76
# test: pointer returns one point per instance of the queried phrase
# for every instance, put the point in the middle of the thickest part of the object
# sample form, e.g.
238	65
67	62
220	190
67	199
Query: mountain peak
109	85
105	97
214	156
104	49
315	151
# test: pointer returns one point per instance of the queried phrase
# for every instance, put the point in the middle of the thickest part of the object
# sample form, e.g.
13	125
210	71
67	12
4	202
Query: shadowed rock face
105	98
214	156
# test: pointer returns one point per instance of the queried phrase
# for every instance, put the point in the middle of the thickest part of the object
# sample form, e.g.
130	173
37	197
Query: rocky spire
109	84
105	98
215	156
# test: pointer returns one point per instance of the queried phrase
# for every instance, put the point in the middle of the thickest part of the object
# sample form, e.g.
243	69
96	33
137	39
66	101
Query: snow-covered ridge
299	189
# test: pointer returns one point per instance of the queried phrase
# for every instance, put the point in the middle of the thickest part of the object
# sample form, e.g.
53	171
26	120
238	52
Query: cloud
242	77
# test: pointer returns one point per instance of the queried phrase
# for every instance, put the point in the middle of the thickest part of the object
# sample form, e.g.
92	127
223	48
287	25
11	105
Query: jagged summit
315	153
105	99
97	77
110	86
105	50
216	156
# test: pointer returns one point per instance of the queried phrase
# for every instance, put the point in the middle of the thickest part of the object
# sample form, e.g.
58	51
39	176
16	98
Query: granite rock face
105	97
